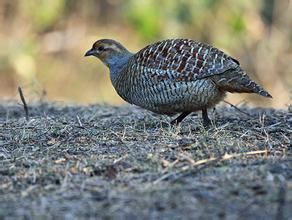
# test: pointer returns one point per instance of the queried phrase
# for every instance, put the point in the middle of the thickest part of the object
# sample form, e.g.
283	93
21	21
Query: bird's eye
101	48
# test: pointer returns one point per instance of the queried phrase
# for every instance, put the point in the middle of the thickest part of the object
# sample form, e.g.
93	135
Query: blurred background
43	43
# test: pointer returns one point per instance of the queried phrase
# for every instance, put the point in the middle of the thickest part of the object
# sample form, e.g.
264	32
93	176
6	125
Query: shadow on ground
123	162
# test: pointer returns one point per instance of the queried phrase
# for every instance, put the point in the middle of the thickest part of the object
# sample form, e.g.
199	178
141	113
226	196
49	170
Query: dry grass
123	162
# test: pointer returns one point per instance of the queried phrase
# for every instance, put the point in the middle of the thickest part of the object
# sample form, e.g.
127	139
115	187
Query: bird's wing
183	60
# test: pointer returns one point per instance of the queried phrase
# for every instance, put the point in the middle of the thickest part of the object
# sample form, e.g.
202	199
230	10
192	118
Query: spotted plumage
174	76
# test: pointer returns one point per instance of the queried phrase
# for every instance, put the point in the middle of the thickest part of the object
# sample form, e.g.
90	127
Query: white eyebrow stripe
112	46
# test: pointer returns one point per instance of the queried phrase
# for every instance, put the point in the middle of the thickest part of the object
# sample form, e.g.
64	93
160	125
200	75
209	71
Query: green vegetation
47	40
100	161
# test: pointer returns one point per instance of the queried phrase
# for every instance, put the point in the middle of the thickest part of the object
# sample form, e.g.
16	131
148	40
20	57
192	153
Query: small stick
228	157
208	162
236	108
24	102
79	122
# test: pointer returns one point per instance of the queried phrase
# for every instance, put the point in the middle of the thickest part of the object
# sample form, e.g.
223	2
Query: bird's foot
206	119
179	118
207	123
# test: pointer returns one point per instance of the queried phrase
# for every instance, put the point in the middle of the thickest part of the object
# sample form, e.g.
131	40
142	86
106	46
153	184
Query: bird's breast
163	94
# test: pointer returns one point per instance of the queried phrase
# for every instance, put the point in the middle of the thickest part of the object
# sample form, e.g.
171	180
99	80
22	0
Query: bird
174	76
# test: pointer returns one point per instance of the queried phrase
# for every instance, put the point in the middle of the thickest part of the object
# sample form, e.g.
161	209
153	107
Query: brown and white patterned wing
183	60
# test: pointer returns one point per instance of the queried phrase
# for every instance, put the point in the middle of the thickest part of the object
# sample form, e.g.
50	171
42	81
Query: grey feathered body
181	75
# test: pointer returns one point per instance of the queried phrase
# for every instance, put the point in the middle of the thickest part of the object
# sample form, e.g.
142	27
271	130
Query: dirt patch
71	162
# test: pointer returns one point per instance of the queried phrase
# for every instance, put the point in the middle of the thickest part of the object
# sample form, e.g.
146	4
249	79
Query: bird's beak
89	53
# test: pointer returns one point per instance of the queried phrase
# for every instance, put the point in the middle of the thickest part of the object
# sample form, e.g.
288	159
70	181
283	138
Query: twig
238	109
208	161
230	156
79	122
24	102
165	176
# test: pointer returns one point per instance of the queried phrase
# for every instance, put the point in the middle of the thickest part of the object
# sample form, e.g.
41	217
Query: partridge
177	76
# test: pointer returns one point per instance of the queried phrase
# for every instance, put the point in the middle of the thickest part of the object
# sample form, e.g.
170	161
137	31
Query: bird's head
108	51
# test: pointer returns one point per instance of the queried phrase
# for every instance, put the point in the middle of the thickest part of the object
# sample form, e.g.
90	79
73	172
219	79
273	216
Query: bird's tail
238	81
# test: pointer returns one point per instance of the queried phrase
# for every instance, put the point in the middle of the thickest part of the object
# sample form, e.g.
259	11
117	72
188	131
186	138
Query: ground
99	161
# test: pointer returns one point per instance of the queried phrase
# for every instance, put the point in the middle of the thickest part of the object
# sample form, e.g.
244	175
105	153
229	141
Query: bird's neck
116	63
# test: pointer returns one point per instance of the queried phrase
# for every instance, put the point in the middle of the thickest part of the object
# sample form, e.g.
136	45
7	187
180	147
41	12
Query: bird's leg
206	120
179	118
